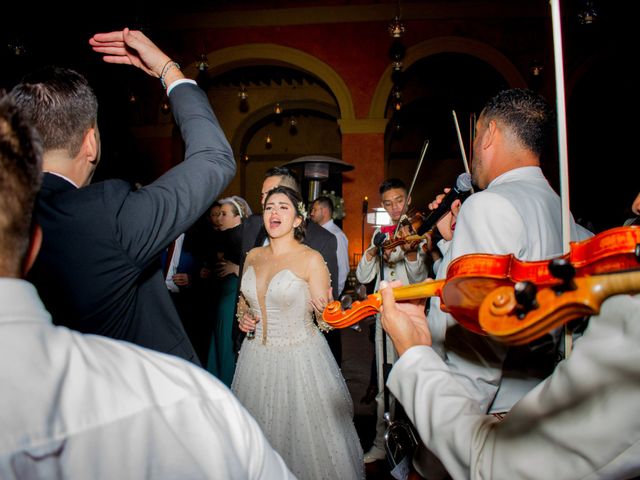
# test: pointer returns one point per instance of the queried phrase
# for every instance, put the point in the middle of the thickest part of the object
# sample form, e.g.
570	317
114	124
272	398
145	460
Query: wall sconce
379	217
293	127
132	98
267	141
202	64
277	109
245	157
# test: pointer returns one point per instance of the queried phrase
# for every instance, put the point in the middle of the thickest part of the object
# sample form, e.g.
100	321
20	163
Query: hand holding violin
406	322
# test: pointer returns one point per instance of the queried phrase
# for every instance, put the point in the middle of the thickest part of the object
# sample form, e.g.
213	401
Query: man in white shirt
322	214
516	213
408	267
85	406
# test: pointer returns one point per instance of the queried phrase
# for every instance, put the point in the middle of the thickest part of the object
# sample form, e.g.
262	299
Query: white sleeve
367	270
576	424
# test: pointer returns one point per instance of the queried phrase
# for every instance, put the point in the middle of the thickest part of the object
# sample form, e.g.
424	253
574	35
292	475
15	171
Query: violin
502	317
471	278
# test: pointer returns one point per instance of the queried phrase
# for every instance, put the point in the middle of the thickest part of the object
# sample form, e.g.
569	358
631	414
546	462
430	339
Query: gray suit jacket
99	269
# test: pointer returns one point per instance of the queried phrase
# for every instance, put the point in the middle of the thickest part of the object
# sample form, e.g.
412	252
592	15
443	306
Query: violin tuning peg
561	268
346	301
525	294
361	292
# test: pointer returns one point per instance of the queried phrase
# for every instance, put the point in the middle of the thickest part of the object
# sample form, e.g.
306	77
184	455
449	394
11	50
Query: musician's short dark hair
525	113
391	183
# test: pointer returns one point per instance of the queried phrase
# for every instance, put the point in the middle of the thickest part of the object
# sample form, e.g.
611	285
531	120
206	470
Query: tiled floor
357	353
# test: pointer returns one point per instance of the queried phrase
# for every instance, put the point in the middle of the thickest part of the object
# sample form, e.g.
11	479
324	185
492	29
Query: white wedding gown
287	378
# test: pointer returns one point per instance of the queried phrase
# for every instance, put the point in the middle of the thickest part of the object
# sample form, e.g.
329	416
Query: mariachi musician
402	262
516	213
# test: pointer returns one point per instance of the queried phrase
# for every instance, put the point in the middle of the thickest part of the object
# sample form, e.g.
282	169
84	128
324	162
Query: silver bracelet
165	70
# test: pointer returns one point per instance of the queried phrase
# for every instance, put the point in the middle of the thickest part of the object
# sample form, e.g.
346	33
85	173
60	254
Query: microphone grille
463	183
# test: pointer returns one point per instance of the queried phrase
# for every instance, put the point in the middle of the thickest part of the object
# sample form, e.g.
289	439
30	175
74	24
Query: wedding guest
286	375
222	359
99	270
86	406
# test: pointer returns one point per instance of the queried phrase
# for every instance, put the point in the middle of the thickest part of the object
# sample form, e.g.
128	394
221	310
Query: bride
286	376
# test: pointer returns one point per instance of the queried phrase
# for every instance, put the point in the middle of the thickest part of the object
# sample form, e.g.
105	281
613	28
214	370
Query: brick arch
260	53
417	52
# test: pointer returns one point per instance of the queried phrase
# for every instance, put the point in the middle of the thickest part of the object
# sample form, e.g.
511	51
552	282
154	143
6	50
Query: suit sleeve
151	217
329	253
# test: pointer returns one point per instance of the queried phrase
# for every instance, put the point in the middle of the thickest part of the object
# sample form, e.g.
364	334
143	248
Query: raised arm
129	47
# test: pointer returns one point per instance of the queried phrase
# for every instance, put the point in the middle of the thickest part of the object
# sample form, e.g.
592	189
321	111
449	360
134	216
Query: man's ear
490	134
35	242
91	146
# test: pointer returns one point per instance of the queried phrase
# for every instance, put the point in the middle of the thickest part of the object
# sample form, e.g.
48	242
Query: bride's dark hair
298	205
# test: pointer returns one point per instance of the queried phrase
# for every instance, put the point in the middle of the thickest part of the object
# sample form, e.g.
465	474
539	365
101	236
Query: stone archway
227	58
424	49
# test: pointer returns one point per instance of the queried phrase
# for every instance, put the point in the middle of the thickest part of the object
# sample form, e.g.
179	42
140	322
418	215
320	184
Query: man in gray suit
99	269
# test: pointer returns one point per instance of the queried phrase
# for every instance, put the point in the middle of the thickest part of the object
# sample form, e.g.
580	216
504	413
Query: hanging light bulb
245	157
132	98
267	141
293	126
396	27
244	100
165	107
589	14
277	109
202	64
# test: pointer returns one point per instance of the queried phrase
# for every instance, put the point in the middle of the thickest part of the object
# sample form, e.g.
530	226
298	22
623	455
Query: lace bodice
287	317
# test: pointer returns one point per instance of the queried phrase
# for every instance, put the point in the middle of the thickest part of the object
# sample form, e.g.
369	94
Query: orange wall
366	152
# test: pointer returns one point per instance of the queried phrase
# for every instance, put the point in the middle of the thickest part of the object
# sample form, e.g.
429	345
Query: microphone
461	190
379	239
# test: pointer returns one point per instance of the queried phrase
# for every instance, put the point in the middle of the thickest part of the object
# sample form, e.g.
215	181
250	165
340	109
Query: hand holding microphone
460	191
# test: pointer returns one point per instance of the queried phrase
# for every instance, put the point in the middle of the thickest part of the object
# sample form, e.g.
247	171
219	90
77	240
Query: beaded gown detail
287	378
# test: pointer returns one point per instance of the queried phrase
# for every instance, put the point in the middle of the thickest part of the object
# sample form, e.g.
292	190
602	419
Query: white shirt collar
516	174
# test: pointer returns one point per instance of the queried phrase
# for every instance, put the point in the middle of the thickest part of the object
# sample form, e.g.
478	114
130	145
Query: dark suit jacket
99	268
318	238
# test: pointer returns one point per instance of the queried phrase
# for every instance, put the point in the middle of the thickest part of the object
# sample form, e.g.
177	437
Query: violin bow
558	62
413	182
461	144
562	123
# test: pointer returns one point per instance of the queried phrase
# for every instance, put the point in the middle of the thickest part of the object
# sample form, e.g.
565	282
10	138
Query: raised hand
132	47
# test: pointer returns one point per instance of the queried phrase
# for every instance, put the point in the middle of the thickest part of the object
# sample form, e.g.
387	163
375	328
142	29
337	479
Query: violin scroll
504	318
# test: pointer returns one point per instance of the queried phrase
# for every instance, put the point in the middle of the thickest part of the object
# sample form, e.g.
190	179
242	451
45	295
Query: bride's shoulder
312	255
255	254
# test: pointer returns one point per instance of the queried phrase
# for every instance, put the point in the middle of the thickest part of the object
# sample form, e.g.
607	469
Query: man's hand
405	322
134	48
181	279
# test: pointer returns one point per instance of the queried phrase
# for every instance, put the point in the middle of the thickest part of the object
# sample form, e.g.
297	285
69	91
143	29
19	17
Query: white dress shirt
518	213
342	252
580	423
174	261
84	406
